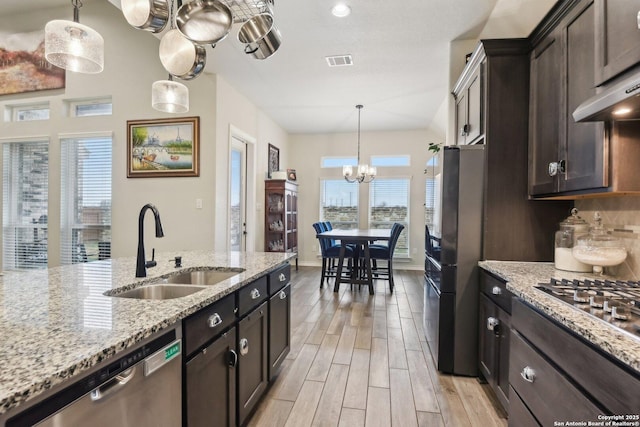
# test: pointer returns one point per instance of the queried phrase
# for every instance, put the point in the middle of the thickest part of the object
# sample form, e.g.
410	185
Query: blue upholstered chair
330	253
385	252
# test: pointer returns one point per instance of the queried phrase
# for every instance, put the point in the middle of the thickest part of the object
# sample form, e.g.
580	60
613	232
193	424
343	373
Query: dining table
361	238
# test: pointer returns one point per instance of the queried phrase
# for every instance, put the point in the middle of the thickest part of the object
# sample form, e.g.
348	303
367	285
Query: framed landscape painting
163	148
23	67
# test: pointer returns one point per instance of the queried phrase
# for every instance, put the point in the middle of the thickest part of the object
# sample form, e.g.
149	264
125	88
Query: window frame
406	223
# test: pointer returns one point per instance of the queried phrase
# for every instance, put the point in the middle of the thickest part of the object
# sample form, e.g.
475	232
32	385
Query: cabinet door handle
244	346
283	295
553	169
464	130
496	290
528	374
233	358
562	166
282	277
255	293
492	323
214	320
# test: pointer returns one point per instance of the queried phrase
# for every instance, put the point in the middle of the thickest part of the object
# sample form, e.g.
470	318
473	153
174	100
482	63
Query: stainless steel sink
159	291
204	277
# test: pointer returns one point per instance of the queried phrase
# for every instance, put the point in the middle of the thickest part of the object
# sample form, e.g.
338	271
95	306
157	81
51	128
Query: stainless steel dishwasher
142	388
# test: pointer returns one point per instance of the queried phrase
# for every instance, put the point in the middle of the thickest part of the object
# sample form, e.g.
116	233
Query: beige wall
131	66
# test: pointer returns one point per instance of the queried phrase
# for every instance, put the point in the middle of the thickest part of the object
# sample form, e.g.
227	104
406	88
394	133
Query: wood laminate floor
362	360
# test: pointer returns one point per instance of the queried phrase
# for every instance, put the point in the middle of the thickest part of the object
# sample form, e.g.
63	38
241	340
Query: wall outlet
198	203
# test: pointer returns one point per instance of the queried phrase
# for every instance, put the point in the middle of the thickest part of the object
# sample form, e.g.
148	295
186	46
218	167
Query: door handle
113	385
493	324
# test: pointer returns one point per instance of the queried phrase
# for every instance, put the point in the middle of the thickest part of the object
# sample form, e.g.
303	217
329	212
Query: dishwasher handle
113	385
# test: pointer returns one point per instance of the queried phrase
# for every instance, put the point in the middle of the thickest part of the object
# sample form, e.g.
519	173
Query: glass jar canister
599	248
565	239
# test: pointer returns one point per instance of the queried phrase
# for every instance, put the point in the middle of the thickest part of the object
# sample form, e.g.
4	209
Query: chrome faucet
141	263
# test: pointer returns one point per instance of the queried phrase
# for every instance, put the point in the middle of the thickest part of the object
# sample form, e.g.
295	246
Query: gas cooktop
617	303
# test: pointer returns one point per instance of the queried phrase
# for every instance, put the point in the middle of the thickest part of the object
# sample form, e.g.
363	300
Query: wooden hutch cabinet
281	216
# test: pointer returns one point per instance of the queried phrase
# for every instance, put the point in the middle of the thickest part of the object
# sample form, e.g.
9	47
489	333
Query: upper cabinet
618	37
468	94
569	159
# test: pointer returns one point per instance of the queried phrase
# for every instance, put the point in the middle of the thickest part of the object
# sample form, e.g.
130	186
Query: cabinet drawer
278	278
548	393
519	415
252	295
496	290
613	385
208	323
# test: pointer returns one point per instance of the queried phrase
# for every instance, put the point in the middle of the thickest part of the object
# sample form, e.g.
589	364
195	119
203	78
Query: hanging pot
148	15
180	57
260	36
204	21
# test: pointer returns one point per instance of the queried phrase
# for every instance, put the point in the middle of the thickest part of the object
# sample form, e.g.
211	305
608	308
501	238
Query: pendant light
73	46
365	173
169	96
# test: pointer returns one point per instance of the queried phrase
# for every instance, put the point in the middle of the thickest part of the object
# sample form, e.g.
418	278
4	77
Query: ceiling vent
339	60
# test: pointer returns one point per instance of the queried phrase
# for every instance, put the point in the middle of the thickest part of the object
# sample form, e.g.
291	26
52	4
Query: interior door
238	196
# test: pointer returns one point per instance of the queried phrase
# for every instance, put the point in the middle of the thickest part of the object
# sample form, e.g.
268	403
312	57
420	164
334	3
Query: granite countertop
522	276
56	323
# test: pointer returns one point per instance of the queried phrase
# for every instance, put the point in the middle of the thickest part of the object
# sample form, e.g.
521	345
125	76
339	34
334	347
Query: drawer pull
282	277
244	346
214	320
492	323
528	374
283	295
255	293
233	358
496	290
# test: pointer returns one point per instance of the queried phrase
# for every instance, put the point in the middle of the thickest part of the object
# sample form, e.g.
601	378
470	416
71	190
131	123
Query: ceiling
400	53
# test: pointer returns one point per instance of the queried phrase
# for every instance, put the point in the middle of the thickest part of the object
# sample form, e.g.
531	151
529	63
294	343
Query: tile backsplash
621	216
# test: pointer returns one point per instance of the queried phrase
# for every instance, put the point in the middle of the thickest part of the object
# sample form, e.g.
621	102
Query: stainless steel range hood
619	102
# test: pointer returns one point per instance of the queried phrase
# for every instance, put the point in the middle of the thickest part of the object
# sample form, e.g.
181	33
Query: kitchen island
521	277
57	323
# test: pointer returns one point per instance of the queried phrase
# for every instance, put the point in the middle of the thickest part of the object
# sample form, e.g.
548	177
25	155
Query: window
25	173
339	203
393	161
85	229
25	113
337	162
92	107
389	203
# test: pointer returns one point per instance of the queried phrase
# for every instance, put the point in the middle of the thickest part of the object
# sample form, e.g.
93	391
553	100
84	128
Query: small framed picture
291	174
274	160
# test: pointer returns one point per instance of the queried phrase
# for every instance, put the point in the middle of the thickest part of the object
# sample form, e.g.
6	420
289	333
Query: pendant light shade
169	96
73	46
364	172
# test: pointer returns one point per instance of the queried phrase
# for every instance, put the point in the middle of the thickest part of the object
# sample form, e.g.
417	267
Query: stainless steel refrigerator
451	268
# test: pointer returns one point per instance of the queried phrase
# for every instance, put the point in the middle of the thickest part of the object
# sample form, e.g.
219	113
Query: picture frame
160	148
273	160
291	174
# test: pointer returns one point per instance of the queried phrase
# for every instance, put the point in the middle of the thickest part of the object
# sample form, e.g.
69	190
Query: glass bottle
565	239
599	248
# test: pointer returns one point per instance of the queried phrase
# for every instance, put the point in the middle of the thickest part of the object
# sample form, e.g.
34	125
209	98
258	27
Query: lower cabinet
252	364
210	382
279	329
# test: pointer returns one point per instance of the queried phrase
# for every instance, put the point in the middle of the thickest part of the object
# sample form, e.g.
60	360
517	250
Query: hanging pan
204	21
148	15
260	36
180	57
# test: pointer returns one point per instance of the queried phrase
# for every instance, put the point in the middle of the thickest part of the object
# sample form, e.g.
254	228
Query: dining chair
330	252
385	253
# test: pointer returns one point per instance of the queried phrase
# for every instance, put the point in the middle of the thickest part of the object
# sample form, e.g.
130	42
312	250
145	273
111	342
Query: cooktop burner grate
615	302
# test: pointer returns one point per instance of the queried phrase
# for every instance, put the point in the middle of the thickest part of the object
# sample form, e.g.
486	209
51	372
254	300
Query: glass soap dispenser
565	239
599	248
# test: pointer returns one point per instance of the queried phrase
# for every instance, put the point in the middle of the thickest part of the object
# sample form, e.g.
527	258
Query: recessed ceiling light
621	111
341	10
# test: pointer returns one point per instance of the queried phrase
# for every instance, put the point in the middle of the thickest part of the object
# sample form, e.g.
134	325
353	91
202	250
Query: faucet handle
178	261
153	262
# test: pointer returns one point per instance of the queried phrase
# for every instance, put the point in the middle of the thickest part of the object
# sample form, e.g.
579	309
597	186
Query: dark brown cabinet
556	375
279	329
494	334
281	216
564	156
469	108
252	364
210	381
618	37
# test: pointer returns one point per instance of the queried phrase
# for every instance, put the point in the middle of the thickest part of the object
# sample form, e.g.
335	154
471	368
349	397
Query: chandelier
365	173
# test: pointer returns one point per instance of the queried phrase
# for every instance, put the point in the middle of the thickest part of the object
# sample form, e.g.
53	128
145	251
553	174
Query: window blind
85	229
339	203
25	174
389	203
